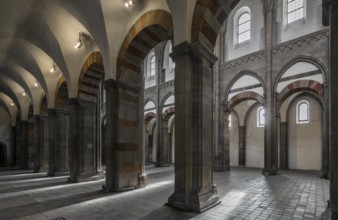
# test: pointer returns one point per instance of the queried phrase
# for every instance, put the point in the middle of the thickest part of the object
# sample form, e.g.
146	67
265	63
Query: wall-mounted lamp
79	42
36	84
53	69
24	93
12	103
129	3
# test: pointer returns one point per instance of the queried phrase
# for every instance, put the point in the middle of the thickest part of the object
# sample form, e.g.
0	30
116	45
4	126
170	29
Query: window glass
295	10
260	117
152	66
244	27
302	112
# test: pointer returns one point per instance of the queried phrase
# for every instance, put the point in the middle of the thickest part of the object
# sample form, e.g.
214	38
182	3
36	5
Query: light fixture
53	69
24	93
36	84
12	103
129	3
79	42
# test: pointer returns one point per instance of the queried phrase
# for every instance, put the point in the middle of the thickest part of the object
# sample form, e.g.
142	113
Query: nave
244	194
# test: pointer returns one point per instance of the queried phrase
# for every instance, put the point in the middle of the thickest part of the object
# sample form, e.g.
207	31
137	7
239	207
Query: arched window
302	112
244	27
295	10
260	117
152	66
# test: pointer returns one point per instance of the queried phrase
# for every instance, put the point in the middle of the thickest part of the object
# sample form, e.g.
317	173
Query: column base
58	173
143	180
108	190
198	202
325	175
37	170
160	164
328	214
269	172
221	168
86	178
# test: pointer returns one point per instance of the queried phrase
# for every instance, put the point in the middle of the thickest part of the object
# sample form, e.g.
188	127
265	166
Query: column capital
110	83
200	50
180	49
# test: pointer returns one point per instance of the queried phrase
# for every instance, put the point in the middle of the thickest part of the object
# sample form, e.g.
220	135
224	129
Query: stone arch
297	59
168	113
149	116
62	94
208	17
238	76
150	29
244	96
165	98
301	85
91	76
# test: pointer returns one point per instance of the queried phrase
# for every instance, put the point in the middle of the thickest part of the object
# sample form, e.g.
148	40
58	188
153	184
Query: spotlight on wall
24	93
79	42
12	103
36	84
129	3
53	69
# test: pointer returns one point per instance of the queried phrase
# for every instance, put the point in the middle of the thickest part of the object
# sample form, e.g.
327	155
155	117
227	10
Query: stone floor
245	194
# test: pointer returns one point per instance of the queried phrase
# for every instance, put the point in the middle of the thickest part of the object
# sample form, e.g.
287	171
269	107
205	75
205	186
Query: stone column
222	157
160	147
283	145
45	145
38	145
146	145
333	81
52	136
83	120
194	188
22	144
270	140
326	134
124	168
13	146
111	137
58	143
242	145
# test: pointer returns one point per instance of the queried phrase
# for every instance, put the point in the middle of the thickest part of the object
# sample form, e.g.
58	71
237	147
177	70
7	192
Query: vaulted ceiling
38	35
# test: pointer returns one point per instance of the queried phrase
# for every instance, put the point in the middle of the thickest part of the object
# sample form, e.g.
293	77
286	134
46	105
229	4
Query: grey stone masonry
58	163
38	146
194	188
83	143
22	144
124	156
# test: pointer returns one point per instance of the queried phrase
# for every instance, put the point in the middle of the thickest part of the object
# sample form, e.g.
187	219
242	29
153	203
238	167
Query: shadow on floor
168	213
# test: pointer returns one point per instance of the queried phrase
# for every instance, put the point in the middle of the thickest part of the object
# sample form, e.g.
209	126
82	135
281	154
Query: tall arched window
152	66
295	10
244	27
303	112
260	117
